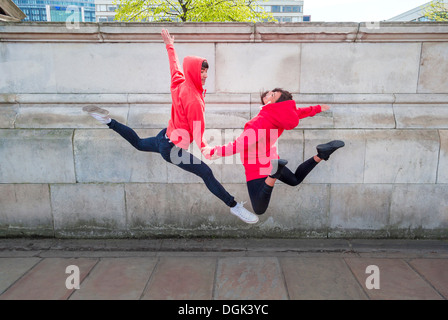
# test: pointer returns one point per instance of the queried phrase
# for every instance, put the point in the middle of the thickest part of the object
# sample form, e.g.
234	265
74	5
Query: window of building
292	9
276	9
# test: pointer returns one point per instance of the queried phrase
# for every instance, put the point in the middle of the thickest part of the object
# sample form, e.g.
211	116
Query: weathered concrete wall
64	175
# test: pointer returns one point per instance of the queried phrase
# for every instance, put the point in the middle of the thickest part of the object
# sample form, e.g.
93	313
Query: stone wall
64	175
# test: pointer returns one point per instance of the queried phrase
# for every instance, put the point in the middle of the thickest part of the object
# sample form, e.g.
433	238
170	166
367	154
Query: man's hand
325	107
206	152
166	37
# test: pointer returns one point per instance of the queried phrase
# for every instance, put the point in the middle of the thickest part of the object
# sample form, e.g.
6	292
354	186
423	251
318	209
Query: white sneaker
99	114
243	213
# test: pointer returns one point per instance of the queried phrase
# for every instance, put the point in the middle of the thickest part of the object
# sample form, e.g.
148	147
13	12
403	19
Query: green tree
191	10
436	11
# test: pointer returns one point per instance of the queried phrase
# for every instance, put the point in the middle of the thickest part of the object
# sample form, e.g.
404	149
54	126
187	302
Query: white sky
357	10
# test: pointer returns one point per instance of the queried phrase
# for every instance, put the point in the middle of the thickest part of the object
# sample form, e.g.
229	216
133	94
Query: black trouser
260	192
176	156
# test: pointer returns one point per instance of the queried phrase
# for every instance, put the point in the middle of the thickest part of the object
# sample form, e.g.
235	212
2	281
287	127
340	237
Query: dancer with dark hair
185	126
257	151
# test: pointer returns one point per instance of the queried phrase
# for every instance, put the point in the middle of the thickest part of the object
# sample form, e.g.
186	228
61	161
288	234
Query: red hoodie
188	106
256	143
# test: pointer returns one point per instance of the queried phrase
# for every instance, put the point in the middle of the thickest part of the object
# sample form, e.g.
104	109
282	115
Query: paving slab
182	278
320	278
435	271
249	278
397	280
47	280
116	279
13	268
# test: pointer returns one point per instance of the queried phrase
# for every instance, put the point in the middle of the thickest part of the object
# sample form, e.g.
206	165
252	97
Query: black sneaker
278	166
325	150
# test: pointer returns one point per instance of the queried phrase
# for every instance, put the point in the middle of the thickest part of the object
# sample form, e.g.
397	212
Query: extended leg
190	163
147	144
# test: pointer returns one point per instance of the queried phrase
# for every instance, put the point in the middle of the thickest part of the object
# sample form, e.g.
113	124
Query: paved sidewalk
223	269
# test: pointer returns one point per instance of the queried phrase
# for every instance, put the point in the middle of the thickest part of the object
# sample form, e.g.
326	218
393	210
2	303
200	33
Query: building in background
54	10
285	10
416	14
105	10
282	10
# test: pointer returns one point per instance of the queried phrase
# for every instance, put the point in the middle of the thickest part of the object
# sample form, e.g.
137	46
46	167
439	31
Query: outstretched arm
167	38
248	139
311	111
176	74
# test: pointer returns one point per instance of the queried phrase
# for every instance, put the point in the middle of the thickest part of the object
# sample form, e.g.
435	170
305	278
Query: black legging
260	192
176	156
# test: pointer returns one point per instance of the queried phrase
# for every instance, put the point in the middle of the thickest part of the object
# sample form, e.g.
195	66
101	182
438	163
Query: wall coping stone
226	32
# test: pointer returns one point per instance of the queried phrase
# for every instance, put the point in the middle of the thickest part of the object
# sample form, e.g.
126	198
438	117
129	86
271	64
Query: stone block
398	281
104	156
182	278
254	67
419	207
13	269
180	209
94	67
307	32
442	172
25	208
46	280
435	272
433	75
231	172
218	116
421	116
249	278
8	114
321	278
359	67
363	116
149	115
298	210
88	209
420	98
358	207
401	156
346	165
63	116
39	62
116	279
36	156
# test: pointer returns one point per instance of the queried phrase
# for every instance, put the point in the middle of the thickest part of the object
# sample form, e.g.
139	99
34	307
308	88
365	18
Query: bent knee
259	211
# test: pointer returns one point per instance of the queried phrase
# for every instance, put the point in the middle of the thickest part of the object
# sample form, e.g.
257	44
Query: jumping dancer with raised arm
185	126
258	153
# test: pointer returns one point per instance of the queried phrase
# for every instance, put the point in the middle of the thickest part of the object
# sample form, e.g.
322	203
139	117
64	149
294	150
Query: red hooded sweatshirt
188	106
256	143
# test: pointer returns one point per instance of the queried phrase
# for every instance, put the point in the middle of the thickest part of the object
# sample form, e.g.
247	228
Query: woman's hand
206	151
166	37
325	107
